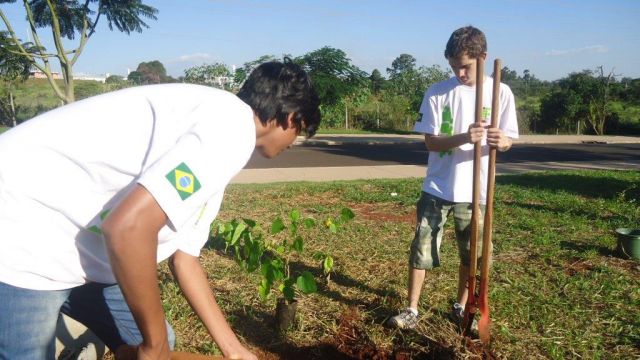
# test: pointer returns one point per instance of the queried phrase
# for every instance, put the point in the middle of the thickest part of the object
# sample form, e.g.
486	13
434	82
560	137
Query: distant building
37	74
100	78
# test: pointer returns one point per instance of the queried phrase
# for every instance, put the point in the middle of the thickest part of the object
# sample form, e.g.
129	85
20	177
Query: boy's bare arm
445	143
131	237
194	284
496	138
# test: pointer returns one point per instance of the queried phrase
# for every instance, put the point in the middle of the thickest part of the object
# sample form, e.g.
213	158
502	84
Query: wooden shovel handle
483	301
470	307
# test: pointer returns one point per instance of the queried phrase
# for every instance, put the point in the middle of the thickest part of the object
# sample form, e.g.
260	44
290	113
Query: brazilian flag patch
183	180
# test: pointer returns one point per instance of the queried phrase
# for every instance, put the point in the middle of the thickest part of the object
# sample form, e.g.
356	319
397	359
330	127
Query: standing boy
448	115
94	194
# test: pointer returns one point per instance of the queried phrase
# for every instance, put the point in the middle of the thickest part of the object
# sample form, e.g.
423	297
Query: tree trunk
67	73
13	109
346	117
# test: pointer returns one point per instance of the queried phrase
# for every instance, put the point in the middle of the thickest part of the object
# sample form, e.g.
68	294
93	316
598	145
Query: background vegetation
587	102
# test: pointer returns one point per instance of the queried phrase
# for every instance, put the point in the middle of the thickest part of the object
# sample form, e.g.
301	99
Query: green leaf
280	249
294	229
264	289
298	244
237	232
294	215
327	264
267	272
288	289
250	222
289	293
277	267
277	226
309	223
346	214
333	228
306	283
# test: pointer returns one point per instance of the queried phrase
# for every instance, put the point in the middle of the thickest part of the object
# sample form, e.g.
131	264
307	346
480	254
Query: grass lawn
557	288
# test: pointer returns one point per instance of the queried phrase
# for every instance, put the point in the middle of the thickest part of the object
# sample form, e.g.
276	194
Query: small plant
272	254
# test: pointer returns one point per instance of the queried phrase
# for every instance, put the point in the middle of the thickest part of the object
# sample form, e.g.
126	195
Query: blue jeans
28	318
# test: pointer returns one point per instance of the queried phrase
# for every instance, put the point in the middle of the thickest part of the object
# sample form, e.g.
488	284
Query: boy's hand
497	139
241	353
476	132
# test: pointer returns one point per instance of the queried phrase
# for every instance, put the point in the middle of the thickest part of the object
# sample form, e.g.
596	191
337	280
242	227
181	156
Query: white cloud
592	49
193	57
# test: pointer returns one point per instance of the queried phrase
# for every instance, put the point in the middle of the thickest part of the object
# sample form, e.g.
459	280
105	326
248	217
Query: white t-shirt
62	172
448	108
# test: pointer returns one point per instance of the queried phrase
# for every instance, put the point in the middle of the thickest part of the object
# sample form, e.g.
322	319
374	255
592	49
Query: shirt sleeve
508	115
199	166
196	233
428	123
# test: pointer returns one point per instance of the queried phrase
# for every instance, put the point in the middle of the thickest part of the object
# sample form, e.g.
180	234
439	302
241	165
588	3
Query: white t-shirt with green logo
448	108
63	171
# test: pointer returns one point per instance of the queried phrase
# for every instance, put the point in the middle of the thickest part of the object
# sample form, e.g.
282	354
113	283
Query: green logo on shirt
447	127
183	180
97	229
486	113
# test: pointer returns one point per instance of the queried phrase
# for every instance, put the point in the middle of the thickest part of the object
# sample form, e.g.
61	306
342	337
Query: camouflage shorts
432	213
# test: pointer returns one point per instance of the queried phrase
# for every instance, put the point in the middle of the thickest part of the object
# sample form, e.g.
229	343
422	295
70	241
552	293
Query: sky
550	38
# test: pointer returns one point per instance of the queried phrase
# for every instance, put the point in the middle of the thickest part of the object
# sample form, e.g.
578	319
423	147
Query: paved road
354	154
328	158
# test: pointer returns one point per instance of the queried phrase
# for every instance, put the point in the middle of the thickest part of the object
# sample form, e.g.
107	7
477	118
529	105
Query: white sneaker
407	319
457	315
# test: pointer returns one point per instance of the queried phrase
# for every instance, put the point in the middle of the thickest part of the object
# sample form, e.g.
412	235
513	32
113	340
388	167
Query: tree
152	72
377	81
507	75
243	72
216	75
559	110
13	68
405	79
332	73
403	64
66	19
599	102
580	97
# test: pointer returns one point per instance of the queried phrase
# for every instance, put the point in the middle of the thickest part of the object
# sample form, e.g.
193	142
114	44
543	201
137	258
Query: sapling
271	253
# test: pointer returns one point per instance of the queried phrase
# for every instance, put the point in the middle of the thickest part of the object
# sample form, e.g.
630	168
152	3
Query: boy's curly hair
276	89
466	40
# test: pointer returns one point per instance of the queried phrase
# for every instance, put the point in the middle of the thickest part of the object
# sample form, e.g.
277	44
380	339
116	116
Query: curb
337	140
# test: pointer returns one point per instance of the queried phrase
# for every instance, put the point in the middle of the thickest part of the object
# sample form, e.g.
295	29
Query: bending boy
94	194
448	122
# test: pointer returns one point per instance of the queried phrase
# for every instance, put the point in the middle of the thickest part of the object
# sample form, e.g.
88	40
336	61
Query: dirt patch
380	213
352	340
578	267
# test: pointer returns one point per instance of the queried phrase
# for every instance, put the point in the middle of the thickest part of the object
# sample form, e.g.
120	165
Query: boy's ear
484	55
291	122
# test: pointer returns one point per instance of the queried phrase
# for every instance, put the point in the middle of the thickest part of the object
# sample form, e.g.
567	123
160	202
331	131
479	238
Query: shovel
471	306
483	298
481	302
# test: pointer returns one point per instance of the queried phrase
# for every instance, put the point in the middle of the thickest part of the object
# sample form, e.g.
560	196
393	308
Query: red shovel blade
484	331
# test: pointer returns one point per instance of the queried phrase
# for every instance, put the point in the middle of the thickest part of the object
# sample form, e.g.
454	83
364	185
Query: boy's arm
131	237
195	286
446	142
496	138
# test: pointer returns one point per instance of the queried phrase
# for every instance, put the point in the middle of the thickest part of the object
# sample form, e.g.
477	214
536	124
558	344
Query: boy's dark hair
276	89
466	40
